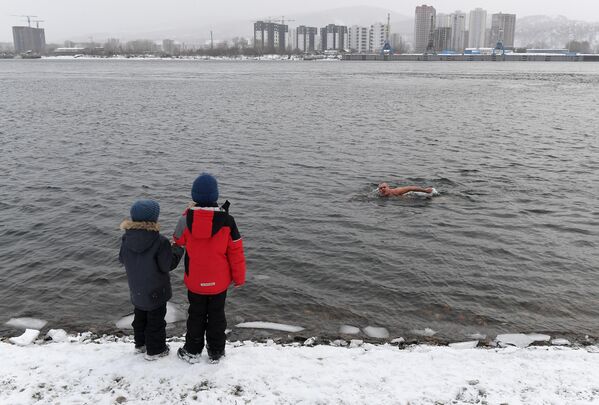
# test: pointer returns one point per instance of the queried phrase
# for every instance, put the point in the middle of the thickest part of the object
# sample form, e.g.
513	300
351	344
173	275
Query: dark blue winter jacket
148	258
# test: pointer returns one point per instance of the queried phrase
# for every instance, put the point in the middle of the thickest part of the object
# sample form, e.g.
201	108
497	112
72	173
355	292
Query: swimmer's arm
403	190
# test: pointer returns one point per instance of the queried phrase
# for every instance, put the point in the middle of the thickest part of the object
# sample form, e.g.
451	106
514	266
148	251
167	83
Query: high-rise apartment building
458	31
477	28
334	37
396	42
378	36
443	20
424	23
442	39
270	37
168	46
503	29
305	39
358	39
29	39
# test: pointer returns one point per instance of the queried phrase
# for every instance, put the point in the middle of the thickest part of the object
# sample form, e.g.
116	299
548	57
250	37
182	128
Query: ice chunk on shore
173	314
514	339
349	330
539	337
57	335
464	345
26	338
374	332
270	325
561	342
428	332
477	336
26	323
125	322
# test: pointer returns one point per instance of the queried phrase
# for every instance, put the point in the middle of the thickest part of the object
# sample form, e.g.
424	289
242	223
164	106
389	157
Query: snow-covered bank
106	371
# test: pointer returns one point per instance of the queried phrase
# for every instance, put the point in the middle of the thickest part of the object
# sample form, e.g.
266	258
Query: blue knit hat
205	189
145	210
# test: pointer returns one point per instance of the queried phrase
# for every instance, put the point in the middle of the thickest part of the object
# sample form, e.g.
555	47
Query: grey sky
65	19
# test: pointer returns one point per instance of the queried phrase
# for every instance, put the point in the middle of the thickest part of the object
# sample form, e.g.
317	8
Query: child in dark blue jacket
148	258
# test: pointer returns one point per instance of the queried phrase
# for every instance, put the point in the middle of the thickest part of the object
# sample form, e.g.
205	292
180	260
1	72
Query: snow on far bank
256	373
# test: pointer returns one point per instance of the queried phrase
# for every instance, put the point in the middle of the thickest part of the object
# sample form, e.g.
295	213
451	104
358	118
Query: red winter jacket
213	250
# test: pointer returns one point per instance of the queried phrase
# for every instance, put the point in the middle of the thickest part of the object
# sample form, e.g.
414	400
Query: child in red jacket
213	260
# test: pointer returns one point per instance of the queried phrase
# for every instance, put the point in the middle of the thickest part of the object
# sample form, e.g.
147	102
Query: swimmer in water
386	191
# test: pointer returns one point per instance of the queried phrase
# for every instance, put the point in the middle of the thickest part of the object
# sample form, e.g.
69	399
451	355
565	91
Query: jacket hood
140	236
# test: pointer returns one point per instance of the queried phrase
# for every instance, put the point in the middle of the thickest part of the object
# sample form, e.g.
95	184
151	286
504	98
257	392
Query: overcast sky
64	19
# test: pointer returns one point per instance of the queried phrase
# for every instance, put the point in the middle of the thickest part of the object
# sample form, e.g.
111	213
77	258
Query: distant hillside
554	32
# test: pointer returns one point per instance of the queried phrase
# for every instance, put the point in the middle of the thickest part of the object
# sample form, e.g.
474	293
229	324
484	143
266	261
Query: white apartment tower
443	20
378	35
424	24
359	39
503	28
477	28
458	31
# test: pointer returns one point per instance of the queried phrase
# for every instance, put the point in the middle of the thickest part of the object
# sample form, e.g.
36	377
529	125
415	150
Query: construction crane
29	17
37	23
387	49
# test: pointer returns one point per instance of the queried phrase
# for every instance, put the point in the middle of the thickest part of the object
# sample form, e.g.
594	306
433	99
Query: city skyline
64	19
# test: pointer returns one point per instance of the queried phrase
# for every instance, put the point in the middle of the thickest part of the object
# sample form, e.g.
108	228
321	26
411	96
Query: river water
509	245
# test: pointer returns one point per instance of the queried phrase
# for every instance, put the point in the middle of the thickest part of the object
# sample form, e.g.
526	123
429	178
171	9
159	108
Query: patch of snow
349	330
514	339
310	341
271	326
561	342
464	345
355	343
398	340
26	338
428	332
376	332
26	323
257	373
57	335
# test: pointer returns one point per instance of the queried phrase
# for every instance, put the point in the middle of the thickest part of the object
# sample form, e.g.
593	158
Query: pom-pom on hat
145	210
205	189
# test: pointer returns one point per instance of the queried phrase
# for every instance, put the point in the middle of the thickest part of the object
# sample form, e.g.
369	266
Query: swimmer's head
384	189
